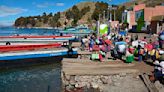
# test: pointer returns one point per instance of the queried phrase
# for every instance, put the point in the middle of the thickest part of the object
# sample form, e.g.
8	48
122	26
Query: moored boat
30	41
43	53
7	48
67	37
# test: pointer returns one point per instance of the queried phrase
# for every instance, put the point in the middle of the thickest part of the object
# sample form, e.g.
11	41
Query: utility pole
99	17
110	15
98	26
114	9
114	15
104	16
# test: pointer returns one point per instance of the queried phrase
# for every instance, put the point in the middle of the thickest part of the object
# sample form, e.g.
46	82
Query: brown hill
60	19
80	6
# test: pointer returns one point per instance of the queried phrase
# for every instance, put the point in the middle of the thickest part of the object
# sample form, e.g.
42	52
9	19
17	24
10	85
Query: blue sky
12	9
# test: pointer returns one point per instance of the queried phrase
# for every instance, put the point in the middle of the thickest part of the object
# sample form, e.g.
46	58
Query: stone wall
104	83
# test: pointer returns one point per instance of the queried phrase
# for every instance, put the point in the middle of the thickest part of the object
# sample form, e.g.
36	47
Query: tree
76	14
119	12
69	14
58	24
19	21
140	22
100	8
45	18
50	15
84	11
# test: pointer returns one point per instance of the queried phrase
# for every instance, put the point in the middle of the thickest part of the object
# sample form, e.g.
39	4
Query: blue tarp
120	43
123	33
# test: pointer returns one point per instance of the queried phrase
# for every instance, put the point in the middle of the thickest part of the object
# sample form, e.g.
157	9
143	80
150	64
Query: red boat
6	48
36	37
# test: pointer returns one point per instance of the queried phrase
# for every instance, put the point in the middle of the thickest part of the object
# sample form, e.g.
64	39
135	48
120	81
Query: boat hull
30	41
6	48
39	37
37	54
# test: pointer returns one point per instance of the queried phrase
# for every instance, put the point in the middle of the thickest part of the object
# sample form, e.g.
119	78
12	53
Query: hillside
76	14
82	13
149	3
84	18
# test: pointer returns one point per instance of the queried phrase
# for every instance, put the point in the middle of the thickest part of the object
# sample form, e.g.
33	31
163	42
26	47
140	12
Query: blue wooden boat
43	53
77	31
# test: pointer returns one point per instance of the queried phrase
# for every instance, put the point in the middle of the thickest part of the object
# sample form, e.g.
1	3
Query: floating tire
8	43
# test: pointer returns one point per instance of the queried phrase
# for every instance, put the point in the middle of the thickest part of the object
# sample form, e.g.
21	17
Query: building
129	17
142	13
157	24
148	12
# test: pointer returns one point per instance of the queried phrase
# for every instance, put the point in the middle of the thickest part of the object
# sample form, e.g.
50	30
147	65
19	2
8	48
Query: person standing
161	39
84	41
140	53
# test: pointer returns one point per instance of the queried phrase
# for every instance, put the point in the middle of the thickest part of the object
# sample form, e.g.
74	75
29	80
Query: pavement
88	67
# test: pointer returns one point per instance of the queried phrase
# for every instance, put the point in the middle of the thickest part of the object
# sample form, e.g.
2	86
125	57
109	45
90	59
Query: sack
162	37
95	56
121	48
96	48
135	52
97	41
157	54
162	57
103	53
152	52
129	59
114	53
131	50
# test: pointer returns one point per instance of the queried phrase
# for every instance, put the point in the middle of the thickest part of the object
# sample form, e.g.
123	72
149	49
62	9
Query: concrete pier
107	76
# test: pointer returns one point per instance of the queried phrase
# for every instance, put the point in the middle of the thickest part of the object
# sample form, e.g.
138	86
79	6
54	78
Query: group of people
117	46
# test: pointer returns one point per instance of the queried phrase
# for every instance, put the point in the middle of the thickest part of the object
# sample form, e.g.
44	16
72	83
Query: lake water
42	78
34	78
5	31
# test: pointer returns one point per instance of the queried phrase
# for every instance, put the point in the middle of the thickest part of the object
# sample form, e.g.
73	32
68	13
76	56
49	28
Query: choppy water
43	78
5	31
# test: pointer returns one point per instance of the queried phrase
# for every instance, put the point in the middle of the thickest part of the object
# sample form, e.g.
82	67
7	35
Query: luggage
129	59
96	57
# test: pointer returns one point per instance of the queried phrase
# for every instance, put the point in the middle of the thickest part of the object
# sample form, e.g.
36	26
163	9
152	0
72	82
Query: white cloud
59	4
6	11
6	23
46	4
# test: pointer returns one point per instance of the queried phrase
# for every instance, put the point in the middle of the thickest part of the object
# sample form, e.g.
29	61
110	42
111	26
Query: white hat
162	64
